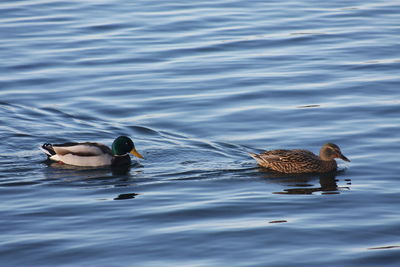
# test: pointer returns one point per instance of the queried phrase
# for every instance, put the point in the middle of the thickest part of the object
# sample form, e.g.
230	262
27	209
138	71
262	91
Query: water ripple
198	85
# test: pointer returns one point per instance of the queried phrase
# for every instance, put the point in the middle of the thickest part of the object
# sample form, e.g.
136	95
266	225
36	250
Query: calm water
197	85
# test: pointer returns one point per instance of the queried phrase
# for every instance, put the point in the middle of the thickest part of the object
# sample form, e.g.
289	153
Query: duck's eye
331	150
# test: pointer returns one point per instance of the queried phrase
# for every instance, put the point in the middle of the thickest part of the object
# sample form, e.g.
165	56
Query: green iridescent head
124	145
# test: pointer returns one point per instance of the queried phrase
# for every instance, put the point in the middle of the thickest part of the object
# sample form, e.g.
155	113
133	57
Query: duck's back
81	149
293	161
86	154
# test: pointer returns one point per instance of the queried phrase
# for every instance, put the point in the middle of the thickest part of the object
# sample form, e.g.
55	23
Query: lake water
198	85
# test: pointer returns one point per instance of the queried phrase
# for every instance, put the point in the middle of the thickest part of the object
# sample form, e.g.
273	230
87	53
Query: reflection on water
60	171
120	170
386	247
126	196
278	221
93	171
198	85
303	184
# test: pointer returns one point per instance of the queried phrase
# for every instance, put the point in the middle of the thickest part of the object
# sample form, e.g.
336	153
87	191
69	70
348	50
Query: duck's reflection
304	184
104	177
75	173
120	170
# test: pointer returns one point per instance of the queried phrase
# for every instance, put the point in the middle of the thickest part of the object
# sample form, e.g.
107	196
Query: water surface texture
198	85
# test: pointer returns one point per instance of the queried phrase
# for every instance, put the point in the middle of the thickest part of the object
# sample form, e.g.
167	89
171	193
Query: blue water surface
198	85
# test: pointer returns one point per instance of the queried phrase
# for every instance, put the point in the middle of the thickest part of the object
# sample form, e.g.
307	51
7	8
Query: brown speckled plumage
299	160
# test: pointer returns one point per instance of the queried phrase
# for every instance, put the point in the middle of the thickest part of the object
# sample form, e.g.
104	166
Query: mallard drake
92	154
301	161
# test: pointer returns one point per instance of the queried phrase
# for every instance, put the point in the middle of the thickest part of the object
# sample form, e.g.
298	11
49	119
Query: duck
301	160
92	154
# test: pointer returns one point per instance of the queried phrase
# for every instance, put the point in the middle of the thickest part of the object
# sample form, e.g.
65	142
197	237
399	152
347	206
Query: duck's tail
48	149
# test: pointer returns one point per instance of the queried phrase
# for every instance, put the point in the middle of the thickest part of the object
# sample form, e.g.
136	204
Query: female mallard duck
299	160
92	154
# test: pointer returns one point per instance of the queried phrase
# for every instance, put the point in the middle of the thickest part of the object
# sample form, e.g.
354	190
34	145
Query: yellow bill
135	153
